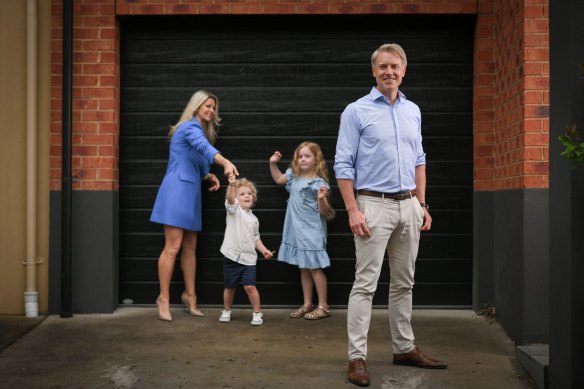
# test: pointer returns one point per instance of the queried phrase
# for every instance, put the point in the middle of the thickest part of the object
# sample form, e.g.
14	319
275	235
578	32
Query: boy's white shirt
241	233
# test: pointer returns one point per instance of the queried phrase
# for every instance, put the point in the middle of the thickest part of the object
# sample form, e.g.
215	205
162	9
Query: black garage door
282	80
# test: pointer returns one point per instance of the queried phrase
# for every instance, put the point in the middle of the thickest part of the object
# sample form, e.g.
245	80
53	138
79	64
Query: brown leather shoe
358	373
417	358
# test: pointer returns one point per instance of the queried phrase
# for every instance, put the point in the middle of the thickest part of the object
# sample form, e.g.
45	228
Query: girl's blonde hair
197	99
319	170
245	182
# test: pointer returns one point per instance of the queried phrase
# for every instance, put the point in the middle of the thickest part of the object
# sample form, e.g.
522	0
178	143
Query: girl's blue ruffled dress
304	236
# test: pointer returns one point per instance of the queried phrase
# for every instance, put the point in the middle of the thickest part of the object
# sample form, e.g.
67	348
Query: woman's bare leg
172	242
188	265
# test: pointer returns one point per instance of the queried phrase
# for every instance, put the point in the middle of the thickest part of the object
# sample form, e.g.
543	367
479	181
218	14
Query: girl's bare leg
320	283
307	286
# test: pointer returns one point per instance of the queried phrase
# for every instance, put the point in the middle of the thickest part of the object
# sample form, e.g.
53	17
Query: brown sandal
300	312
318	313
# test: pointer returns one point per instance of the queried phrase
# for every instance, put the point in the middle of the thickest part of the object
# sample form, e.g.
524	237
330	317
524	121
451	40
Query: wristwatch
425	205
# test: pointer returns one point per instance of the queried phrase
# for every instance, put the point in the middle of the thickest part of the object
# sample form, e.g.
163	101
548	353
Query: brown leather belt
392	196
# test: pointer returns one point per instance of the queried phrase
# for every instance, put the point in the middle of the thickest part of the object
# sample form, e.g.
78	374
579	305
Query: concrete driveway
132	349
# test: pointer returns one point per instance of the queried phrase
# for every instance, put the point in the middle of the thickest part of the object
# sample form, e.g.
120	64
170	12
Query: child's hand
268	254
322	192
232	179
277	156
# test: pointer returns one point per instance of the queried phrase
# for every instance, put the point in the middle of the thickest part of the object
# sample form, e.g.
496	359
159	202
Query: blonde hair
319	170
241	182
197	99
390	48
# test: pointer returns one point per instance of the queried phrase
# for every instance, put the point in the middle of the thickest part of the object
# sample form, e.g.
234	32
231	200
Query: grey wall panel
511	260
94	257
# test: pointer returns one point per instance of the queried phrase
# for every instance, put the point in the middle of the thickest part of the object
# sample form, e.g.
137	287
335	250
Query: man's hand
427	221
358	223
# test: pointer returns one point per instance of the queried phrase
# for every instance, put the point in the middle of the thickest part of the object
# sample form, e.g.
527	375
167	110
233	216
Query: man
379	154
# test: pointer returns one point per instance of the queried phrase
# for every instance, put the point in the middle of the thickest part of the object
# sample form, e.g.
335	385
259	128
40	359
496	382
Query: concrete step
535	358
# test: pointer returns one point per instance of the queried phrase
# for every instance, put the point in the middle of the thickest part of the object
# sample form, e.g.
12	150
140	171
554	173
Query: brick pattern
511	107
511	72
96	80
234	7
484	97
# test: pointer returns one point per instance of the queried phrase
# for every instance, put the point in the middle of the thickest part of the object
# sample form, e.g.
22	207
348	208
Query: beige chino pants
395	227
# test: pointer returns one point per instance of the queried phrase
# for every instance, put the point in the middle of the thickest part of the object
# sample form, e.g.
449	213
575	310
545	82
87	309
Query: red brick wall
511	94
164	7
511	107
96	80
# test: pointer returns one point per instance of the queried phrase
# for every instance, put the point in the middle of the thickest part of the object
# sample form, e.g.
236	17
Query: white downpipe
31	295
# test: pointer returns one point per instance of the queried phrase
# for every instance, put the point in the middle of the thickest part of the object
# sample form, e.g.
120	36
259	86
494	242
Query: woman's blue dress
178	202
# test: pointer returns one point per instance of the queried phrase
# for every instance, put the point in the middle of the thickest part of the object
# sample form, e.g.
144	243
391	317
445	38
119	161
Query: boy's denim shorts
235	273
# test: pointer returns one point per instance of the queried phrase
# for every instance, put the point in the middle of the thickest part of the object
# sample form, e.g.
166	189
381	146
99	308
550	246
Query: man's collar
376	94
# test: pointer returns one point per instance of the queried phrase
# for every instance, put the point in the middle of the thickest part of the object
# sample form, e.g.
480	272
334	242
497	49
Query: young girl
304	237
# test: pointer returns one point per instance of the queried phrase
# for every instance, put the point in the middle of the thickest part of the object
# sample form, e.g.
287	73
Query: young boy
242	239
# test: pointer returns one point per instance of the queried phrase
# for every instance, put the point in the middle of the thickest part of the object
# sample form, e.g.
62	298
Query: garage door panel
454	197
446	124
137	197
282	27
292	50
431	246
444	221
276	124
439	148
142	172
142	197
273	294
280	85
297	75
427	271
288	99
446	246
149	245
341	270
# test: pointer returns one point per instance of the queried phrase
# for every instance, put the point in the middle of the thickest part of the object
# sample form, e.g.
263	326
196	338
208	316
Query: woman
178	204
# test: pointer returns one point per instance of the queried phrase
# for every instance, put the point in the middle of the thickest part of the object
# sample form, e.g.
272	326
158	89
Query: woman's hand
230	170
214	182
276	157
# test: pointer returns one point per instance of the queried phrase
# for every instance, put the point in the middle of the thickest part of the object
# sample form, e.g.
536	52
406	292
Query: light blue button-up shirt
380	144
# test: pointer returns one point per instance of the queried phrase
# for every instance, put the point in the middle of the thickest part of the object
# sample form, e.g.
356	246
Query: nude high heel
164	316
192	311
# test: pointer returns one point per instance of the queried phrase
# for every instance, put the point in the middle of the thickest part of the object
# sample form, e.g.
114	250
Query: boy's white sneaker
256	319
225	316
